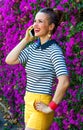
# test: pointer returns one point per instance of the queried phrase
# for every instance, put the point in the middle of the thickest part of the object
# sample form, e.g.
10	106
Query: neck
43	40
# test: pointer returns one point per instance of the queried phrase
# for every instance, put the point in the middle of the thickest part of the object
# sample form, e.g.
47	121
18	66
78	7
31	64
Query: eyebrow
42	19
38	19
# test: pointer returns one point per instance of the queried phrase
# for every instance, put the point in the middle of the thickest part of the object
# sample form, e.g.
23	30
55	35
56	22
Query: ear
51	26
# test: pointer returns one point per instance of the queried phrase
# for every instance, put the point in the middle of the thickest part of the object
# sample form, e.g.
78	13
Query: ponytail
60	15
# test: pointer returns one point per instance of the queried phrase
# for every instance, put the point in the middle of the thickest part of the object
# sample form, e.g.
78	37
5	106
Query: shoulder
55	48
31	45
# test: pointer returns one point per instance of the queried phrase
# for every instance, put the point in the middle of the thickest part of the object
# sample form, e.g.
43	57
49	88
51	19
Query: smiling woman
46	22
44	61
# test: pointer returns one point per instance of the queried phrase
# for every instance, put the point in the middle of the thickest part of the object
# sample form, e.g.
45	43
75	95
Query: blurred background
15	17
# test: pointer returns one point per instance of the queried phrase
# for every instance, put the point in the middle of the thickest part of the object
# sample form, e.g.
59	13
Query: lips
36	30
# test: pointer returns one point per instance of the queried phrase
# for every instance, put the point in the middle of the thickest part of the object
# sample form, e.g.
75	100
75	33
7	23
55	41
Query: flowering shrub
15	17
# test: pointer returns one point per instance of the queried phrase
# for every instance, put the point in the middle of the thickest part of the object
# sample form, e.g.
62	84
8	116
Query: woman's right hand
28	37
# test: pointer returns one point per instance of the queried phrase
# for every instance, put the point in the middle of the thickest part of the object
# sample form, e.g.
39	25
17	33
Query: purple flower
59	7
72	41
64	1
15	17
73	20
53	3
55	126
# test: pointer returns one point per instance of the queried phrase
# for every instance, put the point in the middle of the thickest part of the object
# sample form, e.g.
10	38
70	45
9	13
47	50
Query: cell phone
32	32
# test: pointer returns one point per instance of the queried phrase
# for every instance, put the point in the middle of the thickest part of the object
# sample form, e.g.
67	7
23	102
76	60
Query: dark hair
55	16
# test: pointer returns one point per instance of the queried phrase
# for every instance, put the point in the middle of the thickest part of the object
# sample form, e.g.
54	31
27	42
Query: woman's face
41	25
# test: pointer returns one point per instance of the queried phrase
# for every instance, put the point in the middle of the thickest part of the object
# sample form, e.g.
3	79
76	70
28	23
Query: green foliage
58	120
75	29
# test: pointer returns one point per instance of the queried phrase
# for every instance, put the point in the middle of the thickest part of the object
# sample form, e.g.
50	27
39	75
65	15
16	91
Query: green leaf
58	120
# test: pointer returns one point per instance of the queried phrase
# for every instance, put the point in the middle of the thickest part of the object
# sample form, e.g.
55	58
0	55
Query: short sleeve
23	56
58	61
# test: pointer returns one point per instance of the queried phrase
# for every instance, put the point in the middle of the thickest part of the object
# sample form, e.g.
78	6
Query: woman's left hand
40	106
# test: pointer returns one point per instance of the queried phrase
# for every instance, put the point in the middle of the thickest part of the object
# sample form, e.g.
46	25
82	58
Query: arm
12	57
63	84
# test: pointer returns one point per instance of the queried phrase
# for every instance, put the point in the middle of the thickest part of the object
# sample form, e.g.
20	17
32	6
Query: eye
34	20
40	21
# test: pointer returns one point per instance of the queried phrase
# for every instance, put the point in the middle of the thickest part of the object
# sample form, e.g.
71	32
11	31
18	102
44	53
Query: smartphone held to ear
31	32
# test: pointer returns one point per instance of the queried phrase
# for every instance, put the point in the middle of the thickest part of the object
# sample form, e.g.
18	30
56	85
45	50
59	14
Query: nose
35	24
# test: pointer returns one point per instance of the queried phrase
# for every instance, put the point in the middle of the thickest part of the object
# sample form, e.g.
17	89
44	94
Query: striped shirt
43	64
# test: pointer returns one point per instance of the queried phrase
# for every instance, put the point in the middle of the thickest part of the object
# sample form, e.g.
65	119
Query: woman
44	61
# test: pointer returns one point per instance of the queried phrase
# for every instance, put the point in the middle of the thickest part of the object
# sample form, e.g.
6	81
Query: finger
38	103
38	106
30	27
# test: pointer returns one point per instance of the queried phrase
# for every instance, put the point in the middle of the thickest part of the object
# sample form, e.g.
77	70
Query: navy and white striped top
43	64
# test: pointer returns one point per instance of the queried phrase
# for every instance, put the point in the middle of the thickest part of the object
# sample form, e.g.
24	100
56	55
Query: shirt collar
45	45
